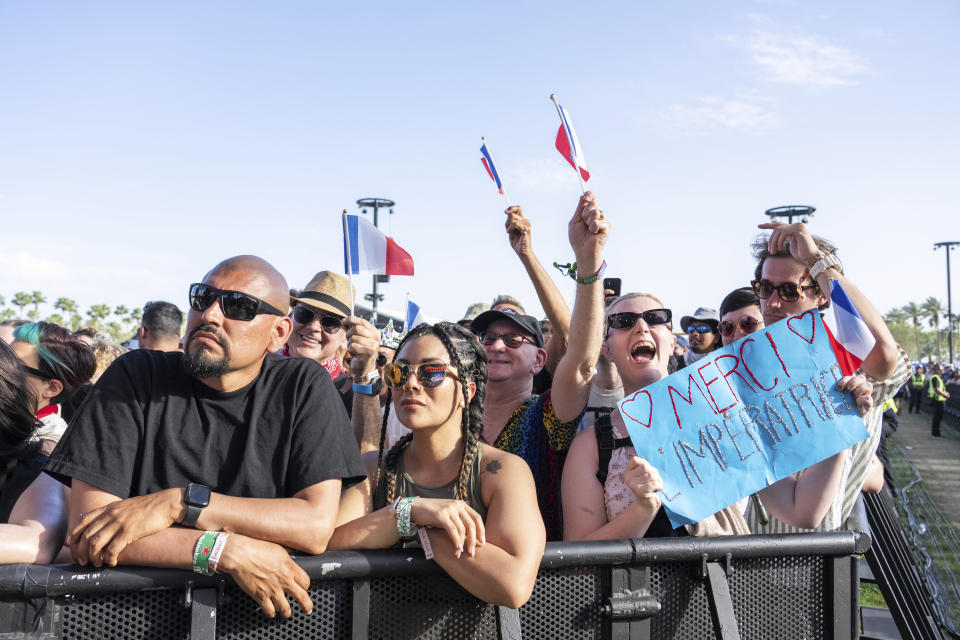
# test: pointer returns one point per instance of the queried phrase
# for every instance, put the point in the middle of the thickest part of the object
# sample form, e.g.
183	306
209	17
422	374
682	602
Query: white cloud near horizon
746	114
802	59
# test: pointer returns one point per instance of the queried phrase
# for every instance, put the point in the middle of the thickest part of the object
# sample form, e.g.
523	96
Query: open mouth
309	340
643	352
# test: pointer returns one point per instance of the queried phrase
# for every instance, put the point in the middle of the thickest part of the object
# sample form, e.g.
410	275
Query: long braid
383	439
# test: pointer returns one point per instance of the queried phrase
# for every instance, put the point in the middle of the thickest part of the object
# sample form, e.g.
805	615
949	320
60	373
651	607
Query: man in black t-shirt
225	436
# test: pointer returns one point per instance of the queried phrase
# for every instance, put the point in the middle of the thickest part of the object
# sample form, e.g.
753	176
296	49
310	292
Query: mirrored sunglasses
429	374
747	324
234	304
698	328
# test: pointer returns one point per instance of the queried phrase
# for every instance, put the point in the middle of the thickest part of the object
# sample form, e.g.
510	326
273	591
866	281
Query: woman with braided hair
471	506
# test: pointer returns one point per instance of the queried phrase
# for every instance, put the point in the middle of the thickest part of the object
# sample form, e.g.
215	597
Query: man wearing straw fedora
318	311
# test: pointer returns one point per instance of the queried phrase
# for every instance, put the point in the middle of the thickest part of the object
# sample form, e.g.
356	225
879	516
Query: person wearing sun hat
702	333
318	311
472	312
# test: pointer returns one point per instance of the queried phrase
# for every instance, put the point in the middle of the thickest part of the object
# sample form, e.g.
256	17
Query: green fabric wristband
201	553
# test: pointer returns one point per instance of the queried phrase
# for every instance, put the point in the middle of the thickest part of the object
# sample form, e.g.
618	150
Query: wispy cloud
747	114
541	174
802	59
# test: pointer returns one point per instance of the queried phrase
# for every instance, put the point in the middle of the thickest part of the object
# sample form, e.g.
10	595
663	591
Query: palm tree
96	313
895	316
933	309
21	299
55	318
913	311
136	315
37	299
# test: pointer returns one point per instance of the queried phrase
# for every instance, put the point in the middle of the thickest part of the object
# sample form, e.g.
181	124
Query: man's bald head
269	284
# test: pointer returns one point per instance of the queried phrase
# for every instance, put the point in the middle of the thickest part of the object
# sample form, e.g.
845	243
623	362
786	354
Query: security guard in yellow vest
938	393
917	382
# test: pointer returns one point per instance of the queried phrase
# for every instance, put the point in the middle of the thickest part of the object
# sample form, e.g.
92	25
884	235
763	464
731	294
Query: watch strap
193	514
372	389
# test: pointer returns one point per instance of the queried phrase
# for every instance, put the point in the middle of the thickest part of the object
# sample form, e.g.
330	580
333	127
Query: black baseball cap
527	324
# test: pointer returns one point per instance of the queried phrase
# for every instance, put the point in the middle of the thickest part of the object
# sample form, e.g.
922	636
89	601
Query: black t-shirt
148	425
24	472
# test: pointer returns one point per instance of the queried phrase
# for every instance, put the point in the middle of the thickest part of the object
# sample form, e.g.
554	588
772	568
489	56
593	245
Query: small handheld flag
414	316
367	249
492	169
849	335
569	146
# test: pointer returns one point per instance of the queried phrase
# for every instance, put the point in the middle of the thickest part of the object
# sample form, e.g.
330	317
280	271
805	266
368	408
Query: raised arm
587	231
264	570
363	341
37	524
554	306
795	238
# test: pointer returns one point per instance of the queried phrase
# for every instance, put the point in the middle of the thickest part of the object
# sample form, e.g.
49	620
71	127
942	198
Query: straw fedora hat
327	291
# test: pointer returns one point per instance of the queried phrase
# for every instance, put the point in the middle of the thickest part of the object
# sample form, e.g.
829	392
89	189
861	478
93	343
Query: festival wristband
404	525
595	277
425	542
218	548
201	553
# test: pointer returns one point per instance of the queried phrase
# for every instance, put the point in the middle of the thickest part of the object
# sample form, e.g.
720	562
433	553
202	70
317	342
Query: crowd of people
278	421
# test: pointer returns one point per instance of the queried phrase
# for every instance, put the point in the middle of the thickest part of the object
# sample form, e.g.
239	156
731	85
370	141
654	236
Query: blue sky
140	143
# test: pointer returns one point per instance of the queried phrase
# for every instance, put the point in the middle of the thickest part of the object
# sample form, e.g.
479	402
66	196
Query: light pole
376	204
788	211
948	247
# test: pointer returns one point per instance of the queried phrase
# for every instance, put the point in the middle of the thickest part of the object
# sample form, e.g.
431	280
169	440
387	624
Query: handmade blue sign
743	417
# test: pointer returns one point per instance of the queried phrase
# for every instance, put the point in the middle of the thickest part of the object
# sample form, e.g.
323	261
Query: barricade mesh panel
778	597
239	617
428	607
136	615
566	604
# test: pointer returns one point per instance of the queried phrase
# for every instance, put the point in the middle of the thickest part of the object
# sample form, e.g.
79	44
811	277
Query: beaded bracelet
404	526
201	553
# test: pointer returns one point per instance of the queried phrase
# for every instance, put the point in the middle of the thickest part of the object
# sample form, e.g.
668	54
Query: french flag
414	316
488	165
568	145
849	335
367	250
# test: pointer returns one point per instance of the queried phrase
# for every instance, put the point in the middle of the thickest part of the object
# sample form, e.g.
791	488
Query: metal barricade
782	586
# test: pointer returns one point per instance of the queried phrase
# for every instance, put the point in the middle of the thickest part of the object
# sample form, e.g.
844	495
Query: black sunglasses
747	324
36	372
512	340
788	291
430	374
234	304
626	319
305	315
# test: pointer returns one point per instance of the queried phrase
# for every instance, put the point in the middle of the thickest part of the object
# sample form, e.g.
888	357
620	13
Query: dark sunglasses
234	304
330	324
698	328
381	359
430	374
36	372
512	340
747	324
788	291
626	319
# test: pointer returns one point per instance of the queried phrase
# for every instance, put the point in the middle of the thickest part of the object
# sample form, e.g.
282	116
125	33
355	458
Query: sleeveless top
617	495
407	487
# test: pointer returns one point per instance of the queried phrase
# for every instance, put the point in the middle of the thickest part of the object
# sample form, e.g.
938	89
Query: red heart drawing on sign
813	325
639	408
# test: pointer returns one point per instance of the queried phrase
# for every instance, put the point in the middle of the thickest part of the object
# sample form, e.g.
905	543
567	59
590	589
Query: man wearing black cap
702	333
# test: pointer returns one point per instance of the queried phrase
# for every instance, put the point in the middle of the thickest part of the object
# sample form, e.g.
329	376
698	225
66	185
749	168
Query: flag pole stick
573	148
349	265
406	315
503	191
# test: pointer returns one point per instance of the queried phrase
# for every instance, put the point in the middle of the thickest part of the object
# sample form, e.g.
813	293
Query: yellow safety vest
889	404
936	383
917	380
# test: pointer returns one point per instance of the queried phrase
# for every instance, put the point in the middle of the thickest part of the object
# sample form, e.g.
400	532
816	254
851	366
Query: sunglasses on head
788	291
304	315
234	304
626	319
430	374
747	324
512	340
698	328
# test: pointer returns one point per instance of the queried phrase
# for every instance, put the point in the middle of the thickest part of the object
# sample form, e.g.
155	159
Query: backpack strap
606	443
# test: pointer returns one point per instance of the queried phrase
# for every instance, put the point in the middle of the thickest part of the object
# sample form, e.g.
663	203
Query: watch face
197	495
